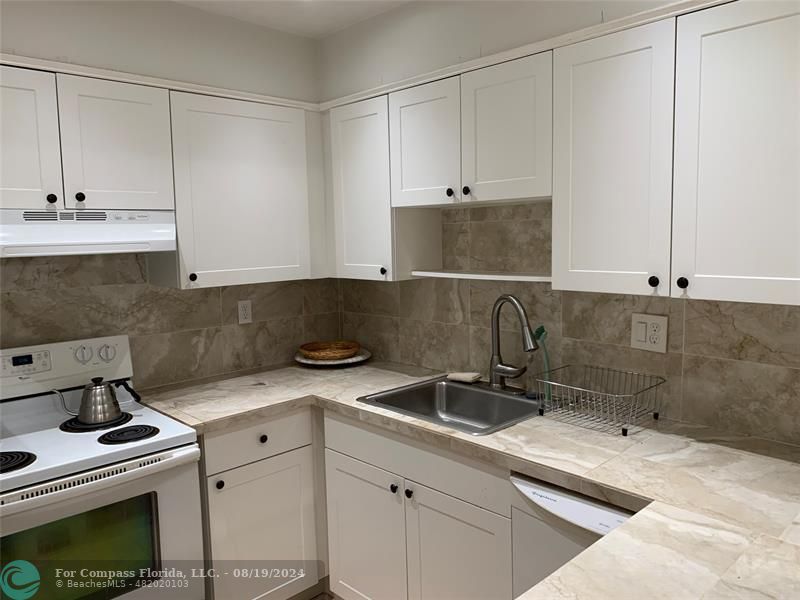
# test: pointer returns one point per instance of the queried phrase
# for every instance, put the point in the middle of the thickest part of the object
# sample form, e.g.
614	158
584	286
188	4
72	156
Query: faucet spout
498	370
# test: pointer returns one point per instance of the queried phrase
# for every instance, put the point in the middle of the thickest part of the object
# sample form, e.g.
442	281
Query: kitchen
593	207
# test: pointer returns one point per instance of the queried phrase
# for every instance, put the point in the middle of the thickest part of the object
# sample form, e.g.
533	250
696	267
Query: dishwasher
550	526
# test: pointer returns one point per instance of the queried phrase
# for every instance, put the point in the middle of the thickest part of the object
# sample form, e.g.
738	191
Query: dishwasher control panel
573	508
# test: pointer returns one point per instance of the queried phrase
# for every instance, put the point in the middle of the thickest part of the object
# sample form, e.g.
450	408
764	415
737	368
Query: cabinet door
612	161
30	161
366	530
116	144
361	194
261	516
456	550
241	194
425	136
737	153
506	130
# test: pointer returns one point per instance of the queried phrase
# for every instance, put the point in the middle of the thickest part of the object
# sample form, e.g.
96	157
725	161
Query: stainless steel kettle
98	403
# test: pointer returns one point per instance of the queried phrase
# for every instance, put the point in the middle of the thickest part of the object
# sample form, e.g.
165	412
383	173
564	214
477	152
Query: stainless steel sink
476	409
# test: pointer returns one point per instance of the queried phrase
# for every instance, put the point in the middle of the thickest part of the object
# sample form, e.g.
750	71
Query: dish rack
598	397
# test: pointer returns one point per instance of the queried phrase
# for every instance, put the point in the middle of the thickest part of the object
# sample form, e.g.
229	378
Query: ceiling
308	18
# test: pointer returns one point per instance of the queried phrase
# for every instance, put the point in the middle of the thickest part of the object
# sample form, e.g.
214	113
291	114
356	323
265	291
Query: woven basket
330	350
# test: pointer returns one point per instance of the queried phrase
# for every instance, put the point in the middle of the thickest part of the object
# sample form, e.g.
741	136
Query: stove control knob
83	354
106	352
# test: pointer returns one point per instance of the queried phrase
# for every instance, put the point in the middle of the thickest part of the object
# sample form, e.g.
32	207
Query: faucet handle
509	371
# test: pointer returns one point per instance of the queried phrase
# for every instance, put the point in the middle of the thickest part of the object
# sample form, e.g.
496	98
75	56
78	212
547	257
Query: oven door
131	530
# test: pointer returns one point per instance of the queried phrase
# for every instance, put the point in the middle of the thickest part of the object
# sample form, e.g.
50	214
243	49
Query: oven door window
116	545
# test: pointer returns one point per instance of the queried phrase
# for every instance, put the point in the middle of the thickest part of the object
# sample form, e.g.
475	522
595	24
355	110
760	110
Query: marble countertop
718	516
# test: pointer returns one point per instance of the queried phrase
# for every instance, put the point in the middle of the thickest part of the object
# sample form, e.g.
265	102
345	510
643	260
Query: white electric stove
60	479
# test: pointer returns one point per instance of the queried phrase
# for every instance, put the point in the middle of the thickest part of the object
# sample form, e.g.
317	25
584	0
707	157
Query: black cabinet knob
263	439
383	271
449	192
465	189
220	484
52	198
192	276
80	196
653	281
683	283
409	493
393	488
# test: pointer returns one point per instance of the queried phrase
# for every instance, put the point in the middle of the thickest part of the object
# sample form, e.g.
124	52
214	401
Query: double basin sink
476	409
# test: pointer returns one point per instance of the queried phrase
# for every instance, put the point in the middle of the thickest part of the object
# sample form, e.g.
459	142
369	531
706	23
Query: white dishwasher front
550	526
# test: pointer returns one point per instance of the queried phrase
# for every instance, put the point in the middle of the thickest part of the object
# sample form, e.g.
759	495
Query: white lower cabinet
455	550
366	530
391	537
261	515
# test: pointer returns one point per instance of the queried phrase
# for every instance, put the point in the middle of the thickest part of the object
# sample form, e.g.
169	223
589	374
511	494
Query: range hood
65	232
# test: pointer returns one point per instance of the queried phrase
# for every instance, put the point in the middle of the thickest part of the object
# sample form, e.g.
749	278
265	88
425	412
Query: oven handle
95	480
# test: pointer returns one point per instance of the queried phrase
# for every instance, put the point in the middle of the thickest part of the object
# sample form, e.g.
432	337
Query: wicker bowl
330	350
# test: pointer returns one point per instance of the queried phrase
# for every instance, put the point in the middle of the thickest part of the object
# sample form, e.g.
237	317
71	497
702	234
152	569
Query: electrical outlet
649	332
245	312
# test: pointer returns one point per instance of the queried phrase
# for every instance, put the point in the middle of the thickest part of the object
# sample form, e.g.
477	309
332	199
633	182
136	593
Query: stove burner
133	433
75	426
11	461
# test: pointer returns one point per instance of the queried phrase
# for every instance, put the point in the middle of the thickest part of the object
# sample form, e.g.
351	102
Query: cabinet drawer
231	449
481	484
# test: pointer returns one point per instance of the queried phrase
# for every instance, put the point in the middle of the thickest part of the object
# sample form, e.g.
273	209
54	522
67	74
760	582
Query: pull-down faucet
498	370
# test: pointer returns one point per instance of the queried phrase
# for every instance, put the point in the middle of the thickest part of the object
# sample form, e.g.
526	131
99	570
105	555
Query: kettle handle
64	403
130	390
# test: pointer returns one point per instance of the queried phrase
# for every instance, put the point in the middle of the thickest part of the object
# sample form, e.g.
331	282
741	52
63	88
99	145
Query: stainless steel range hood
65	232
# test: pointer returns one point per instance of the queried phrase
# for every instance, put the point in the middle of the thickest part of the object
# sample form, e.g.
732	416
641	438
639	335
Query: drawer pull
263	439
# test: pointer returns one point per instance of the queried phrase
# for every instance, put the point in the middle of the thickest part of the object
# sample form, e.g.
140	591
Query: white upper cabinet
240	191
116	145
737	154
506	130
612	161
30	159
425	135
361	194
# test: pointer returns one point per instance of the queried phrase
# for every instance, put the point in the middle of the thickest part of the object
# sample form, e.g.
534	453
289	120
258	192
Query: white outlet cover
245	312
649	332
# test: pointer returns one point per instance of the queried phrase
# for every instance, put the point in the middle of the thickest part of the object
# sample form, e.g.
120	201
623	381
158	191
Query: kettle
98	403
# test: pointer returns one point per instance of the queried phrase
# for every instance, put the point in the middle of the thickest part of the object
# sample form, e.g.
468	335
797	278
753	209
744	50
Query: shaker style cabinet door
425	136
456	551
366	530
612	161
361	193
30	160
241	191
116	144
737	154
261	516
506	130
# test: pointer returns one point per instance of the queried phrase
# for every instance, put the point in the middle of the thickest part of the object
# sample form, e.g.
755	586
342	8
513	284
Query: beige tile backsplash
730	365
176	335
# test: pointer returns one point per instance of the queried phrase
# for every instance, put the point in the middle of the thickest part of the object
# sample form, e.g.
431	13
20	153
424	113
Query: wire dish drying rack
599	398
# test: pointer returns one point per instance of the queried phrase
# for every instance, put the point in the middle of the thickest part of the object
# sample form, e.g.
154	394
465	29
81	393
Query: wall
423	36
176	335
733	366
162	39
